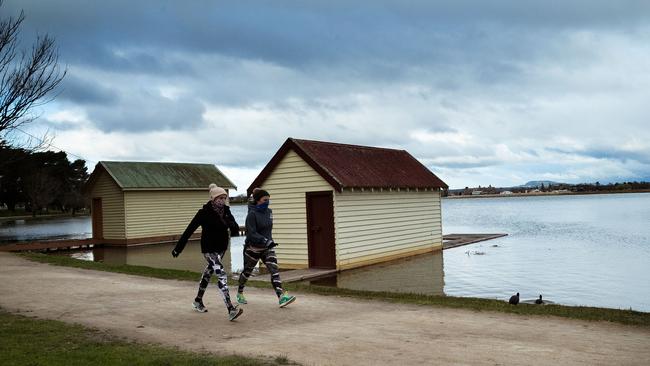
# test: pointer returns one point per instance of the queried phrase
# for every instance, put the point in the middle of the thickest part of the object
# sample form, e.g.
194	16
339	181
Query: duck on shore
514	299
539	301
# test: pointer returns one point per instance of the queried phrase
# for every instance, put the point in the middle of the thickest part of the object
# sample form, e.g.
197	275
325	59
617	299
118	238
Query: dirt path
316	330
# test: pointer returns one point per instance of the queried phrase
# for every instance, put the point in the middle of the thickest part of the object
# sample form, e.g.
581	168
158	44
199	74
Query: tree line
558	187
41	181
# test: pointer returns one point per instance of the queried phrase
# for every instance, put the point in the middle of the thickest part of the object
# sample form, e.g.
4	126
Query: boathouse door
98	219
320	230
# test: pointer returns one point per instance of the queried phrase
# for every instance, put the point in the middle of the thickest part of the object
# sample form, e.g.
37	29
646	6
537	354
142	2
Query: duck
539	301
514	299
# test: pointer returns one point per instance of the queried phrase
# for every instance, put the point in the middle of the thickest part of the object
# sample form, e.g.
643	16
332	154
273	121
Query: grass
630	317
29	341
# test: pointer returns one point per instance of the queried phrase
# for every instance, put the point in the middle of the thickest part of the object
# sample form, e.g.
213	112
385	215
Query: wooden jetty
48	245
296	275
449	241
456	240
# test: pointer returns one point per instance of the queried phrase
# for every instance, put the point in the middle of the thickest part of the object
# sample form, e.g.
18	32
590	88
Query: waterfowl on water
539	301
514	299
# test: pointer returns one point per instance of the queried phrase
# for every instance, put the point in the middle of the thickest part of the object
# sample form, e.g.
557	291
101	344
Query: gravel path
315	330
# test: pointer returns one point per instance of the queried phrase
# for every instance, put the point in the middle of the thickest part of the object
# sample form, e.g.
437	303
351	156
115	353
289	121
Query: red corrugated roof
354	166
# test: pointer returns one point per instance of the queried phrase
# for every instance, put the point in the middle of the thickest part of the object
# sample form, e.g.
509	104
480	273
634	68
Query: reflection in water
65	227
423	274
159	256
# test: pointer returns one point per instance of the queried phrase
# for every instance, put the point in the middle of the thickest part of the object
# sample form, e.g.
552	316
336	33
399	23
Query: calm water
41	229
577	250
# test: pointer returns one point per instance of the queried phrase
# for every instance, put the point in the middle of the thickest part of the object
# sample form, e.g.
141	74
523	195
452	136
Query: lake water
577	250
45	228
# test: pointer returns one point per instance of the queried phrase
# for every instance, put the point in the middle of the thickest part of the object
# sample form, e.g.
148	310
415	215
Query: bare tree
26	77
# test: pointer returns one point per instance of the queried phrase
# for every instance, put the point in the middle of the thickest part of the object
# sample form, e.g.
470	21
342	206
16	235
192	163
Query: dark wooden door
98	219
320	230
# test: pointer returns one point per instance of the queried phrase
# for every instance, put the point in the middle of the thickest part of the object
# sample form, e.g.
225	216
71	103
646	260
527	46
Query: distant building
343	206
506	192
140	202
476	193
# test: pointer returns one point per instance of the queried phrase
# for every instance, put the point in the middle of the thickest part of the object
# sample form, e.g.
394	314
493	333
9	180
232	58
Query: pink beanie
216	191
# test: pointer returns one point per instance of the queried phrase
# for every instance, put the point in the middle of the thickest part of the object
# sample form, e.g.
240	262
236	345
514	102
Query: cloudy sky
497	92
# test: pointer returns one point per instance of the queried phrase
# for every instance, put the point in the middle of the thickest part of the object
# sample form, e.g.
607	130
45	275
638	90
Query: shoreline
548	194
38	217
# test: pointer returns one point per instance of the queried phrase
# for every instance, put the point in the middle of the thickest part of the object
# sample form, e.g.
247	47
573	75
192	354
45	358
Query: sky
482	93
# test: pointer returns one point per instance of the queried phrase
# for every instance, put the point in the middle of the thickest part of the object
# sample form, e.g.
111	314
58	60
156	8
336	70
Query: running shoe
286	299
198	306
241	298
235	313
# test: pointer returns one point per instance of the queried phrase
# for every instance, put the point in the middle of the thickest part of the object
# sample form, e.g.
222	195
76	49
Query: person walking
259	245
215	220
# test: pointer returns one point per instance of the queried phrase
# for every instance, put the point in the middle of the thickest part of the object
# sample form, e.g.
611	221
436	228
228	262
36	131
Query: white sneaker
235	313
198	306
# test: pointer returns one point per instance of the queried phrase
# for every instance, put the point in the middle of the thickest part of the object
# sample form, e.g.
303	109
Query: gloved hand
175	253
270	243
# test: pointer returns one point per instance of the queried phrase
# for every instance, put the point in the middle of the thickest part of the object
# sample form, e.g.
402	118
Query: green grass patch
29	341
574	312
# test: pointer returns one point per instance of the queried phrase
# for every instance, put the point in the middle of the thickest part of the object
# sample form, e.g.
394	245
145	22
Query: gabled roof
353	166
174	176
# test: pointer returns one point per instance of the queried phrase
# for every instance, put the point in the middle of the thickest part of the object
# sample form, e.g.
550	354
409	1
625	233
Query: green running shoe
241	298
286	299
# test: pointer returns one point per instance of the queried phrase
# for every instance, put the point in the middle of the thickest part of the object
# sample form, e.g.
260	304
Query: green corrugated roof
143	175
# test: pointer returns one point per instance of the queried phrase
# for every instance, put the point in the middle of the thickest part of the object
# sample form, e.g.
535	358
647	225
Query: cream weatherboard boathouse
140	202
344	206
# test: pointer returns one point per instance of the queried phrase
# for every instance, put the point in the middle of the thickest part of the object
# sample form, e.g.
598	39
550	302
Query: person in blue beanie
259	245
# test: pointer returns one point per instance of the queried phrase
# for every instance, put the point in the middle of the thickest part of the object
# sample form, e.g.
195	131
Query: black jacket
259	224
214	233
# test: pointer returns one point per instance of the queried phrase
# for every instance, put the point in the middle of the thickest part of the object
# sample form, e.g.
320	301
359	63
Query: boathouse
141	202
344	206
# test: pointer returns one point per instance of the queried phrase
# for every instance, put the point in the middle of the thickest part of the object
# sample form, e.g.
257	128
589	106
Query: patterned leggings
269	258
215	266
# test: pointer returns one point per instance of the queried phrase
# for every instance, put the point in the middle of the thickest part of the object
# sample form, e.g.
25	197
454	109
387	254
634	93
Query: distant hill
538	183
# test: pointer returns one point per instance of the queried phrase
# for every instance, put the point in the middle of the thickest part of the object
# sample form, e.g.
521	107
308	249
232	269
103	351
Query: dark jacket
214	233
259	224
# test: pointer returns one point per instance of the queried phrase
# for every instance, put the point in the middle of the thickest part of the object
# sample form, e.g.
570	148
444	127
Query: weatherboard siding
376	226
288	184
161	213
112	206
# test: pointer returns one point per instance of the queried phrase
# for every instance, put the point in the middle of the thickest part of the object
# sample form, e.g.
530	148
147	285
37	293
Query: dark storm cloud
77	90
297	33
141	112
609	153
497	77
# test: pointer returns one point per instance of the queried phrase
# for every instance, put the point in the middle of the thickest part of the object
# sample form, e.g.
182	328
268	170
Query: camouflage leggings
269	259
215	266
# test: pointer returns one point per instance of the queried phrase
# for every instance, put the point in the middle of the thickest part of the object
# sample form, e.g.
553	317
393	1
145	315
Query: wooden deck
449	241
297	275
48	245
456	240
